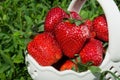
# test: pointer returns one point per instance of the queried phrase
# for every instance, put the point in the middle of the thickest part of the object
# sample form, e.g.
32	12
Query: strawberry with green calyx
80	66
92	52
100	27
53	17
68	65
44	49
71	37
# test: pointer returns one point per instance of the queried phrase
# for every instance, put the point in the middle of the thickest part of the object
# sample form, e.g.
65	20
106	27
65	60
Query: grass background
19	21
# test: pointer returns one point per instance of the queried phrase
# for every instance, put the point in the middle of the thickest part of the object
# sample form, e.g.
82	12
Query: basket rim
31	61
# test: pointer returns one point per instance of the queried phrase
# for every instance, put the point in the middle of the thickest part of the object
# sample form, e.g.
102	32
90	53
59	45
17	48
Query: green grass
19	21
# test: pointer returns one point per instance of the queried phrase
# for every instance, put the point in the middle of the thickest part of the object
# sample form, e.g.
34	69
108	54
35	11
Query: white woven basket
111	61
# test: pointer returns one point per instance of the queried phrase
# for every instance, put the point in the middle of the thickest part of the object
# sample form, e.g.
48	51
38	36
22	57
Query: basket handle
113	20
76	5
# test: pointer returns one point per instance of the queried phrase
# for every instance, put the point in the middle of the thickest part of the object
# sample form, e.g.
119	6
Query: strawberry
68	65
75	15
59	63
100	27
88	22
44	49
71	37
92	52
53	17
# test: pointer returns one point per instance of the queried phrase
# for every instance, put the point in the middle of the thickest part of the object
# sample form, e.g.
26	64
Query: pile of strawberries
68	41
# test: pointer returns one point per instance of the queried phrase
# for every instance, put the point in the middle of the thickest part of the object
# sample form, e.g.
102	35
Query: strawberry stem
78	22
104	73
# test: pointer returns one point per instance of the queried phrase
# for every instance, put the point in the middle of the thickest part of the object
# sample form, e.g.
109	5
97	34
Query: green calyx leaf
94	69
74	68
72	20
68	12
105	44
83	67
78	22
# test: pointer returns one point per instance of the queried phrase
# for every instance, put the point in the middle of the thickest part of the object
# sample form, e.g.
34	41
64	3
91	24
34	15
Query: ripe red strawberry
71	37
92	52
75	15
53	17
44	49
100	27
89	24
68	65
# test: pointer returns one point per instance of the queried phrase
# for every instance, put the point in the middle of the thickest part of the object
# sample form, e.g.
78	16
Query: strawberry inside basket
70	41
